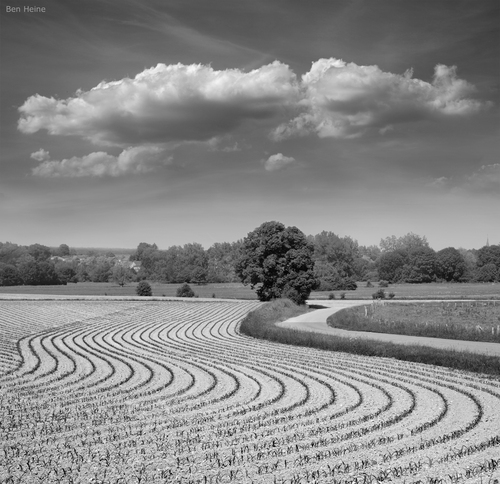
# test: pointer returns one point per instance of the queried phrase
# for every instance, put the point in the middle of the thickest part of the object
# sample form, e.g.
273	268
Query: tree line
336	263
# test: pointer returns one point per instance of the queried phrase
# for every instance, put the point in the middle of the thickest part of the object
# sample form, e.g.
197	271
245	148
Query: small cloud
98	164
215	143
439	183
230	149
386	129
277	162
484	180
40	155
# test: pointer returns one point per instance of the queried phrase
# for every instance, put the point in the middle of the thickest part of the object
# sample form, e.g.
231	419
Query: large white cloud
195	102
165	103
173	104
97	164
343	100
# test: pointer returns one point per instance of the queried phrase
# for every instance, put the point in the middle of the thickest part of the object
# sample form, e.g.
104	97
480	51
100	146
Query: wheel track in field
322	409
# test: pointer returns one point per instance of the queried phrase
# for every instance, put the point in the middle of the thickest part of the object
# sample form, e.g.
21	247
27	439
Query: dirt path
316	321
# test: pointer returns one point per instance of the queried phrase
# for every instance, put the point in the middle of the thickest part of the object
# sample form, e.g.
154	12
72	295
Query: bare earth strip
316	321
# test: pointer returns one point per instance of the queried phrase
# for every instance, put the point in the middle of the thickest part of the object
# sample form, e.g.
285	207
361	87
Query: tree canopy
450	264
279	260
406	242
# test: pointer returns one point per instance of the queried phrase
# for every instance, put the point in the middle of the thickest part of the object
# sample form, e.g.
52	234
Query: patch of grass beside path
261	324
466	320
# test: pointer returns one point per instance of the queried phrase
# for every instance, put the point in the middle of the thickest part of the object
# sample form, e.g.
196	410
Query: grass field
467	320
239	291
221	291
421	291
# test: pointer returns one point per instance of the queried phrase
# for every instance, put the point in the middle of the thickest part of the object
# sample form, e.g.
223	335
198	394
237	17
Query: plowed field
170	392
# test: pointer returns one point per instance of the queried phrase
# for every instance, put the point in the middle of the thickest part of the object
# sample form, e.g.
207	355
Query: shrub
391	295
342	295
380	294
369	284
331	296
185	291
213	295
350	284
371	276
143	289
261	322
383	283
293	294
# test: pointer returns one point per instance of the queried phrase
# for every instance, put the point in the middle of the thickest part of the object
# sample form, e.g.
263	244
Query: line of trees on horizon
339	262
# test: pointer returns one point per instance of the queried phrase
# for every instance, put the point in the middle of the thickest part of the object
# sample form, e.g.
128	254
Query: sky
186	121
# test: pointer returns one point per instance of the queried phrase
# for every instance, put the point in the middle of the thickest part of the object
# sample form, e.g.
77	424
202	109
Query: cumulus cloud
169	105
98	164
40	155
485	180
196	102
278	162
165	103
343	100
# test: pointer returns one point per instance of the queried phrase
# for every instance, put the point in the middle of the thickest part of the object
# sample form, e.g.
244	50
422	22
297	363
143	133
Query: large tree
221	260
39	252
407	242
391	264
121	274
9	275
11	253
339	252
140	249
63	250
489	254
450	264
279	260
421	266
35	273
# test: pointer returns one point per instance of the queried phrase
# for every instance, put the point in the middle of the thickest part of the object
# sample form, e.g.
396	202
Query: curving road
316	321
